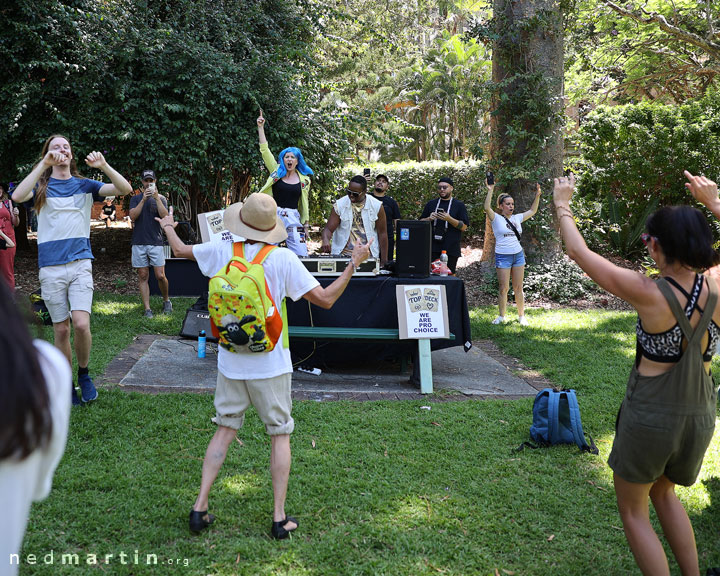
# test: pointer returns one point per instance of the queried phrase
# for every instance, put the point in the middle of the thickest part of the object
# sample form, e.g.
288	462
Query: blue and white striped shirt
64	221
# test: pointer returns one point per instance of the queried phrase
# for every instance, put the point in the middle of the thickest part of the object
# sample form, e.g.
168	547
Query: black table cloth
370	302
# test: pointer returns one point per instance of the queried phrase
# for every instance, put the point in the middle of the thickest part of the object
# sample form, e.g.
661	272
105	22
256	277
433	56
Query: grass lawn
379	487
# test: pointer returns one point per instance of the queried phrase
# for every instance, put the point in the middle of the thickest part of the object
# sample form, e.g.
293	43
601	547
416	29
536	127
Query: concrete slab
171	364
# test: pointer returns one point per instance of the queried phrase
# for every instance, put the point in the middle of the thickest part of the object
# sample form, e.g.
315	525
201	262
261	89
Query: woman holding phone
509	254
289	185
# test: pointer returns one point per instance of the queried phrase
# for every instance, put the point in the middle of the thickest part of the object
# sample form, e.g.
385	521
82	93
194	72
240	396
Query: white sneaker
499	320
522	320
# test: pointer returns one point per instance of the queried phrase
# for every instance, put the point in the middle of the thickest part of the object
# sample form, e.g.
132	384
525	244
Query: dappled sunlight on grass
248	484
110	308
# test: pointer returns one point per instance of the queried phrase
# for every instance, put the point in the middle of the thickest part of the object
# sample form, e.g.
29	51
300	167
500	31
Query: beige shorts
67	287
270	396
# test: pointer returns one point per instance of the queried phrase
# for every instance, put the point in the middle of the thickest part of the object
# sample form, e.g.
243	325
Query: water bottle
202	342
444	260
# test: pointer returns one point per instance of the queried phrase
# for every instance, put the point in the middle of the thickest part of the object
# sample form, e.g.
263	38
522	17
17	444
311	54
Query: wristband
166	225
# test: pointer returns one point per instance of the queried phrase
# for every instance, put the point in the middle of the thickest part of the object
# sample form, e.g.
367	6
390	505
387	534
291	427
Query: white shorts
145	255
295	231
66	288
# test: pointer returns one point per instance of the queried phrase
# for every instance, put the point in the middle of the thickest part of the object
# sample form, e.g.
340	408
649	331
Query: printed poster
422	311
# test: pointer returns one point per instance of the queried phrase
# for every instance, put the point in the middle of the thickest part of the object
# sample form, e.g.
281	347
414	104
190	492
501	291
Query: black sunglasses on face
351	193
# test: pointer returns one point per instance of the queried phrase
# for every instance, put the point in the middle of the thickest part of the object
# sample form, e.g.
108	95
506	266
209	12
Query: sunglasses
351	193
645	237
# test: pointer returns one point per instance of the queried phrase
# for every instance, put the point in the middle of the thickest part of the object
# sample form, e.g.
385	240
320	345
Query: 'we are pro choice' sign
422	311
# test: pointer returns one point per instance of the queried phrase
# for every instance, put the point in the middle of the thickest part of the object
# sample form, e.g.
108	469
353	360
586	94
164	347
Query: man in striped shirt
63	200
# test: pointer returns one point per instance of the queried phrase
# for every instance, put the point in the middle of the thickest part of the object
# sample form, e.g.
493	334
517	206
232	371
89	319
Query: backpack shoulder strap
263	253
239	249
576	425
553	415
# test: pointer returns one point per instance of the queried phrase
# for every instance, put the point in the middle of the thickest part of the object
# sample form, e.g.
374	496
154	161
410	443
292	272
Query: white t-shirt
505	240
285	276
28	480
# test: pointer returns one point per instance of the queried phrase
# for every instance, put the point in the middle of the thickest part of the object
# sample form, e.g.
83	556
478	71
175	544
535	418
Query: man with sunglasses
449	218
356	218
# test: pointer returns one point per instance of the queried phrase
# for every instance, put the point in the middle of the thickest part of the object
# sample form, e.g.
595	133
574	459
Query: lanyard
448	211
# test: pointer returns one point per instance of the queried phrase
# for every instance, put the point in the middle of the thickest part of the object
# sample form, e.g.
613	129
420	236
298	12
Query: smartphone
490	178
440	211
366	172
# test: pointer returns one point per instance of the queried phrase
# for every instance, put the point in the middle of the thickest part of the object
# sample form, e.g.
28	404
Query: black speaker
413	244
196	320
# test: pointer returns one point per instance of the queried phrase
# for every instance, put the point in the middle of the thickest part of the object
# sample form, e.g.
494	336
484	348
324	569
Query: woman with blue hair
289	184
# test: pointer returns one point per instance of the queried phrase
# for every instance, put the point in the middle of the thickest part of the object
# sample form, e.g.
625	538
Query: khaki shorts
66	288
145	255
270	396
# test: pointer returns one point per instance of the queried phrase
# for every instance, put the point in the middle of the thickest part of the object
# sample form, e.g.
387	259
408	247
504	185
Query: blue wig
303	168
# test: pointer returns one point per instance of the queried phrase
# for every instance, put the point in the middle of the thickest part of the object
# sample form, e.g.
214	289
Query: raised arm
488	201
704	191
534	206
24	191
179	248
632	287
267	156
119	186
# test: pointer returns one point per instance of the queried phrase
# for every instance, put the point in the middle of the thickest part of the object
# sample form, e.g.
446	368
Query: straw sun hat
256	219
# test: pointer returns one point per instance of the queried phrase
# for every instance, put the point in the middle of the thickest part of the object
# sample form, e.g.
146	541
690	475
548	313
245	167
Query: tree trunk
526	147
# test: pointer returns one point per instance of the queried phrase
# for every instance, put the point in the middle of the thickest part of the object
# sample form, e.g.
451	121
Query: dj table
369	302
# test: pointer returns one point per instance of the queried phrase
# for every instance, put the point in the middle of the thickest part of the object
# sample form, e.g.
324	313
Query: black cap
383	177
148	174
447	180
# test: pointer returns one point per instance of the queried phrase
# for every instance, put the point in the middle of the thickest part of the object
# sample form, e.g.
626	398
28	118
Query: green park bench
347	333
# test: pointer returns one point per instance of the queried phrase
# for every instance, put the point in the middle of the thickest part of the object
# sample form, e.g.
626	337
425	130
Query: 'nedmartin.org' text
74	559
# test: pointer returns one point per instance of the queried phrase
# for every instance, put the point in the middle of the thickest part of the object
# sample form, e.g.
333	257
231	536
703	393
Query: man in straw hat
261	379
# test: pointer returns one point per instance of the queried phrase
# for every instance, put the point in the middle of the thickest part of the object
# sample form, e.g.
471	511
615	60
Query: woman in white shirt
509	255
35	413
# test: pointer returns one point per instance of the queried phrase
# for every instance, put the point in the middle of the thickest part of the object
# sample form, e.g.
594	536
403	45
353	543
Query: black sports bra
667	346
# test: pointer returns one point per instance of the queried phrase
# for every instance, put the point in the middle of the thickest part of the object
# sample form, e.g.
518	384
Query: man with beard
356	218
449	218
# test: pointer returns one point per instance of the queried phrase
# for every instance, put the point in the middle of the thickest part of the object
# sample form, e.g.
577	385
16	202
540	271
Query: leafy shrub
412	184
634	156
560	281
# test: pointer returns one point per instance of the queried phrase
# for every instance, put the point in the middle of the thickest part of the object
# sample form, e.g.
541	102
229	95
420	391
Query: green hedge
633	158
412	184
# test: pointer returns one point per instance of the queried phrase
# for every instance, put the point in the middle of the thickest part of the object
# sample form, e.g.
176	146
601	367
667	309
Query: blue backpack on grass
556	420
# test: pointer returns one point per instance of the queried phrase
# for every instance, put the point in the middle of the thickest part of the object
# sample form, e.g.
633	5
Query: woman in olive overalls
667	417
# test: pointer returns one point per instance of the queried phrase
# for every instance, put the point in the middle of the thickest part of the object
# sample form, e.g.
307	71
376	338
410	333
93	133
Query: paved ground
166	364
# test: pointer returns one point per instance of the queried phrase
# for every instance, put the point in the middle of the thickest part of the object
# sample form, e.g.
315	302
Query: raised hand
55	158
261	120
703	189
563	190
95	160
168	220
